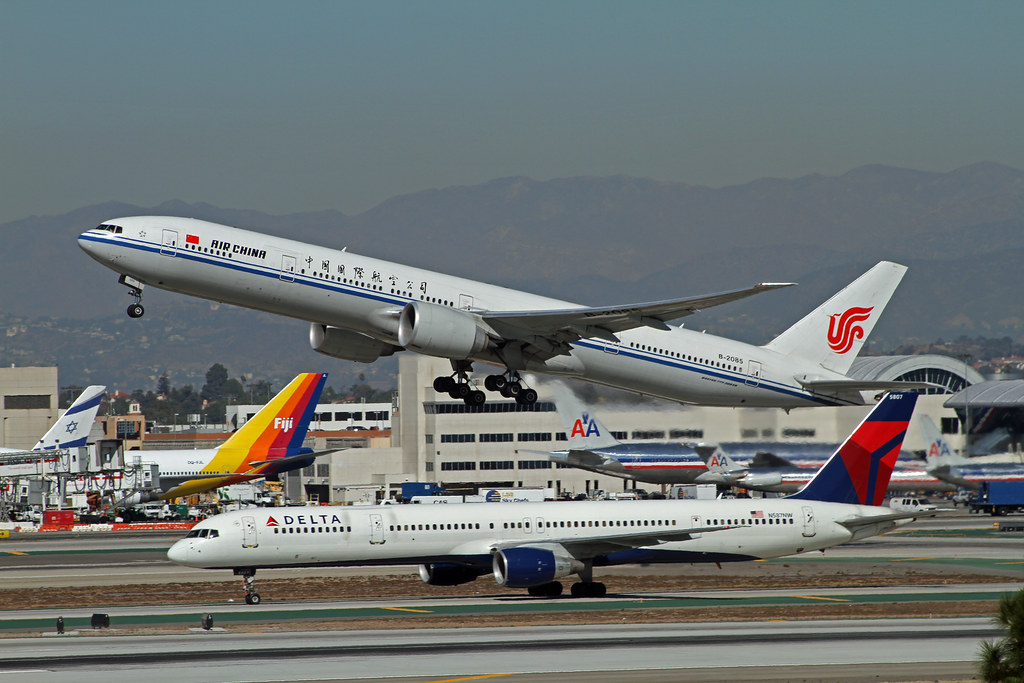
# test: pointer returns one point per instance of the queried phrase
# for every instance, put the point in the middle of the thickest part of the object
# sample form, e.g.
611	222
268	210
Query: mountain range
593	240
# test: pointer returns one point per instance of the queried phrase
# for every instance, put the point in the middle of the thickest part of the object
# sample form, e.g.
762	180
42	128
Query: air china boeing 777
361	308
532	545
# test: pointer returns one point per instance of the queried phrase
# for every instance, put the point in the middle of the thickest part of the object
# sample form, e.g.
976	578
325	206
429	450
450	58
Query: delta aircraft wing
360	308
533	545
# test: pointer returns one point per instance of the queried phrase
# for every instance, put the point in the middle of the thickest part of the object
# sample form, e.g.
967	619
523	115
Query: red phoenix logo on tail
843	330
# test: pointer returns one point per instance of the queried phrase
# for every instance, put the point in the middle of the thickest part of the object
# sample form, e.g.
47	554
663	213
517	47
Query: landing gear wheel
526	397
588	589
443	385
136	311
460	391
511	390
475	398
253	599
495	382
546	590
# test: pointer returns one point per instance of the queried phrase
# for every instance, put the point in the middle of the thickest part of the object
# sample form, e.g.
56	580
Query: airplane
532	545
71	430
267	444
361	308
958	470
592	447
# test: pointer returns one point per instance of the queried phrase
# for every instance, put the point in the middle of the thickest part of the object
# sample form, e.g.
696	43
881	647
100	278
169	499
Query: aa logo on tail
584	427
283	423
843	330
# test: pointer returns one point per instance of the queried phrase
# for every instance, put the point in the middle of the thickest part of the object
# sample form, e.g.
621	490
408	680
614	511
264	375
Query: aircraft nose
179	552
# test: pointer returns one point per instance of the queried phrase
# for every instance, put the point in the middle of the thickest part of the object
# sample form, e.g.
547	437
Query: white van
911	505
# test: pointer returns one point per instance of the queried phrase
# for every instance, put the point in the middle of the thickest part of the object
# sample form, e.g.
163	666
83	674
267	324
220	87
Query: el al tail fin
859	471
832	334
73	427
280	427
584	431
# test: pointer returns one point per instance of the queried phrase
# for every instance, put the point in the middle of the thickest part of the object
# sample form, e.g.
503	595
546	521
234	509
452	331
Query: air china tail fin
832	334
939	453
73	427
584	430
858	472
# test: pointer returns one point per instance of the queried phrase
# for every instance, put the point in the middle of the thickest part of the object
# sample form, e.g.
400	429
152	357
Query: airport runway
807	651
178	650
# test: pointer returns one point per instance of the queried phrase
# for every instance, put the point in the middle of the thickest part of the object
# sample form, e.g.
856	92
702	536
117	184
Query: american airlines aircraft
269	443
360	308
958	470
532	545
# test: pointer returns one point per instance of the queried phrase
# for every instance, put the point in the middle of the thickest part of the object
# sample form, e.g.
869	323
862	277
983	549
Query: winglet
859	471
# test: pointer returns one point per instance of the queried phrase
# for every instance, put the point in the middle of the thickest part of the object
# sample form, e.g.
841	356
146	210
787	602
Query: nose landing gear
135	310
249	581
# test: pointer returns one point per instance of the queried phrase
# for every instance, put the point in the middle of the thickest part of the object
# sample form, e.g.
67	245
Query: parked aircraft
362	308
267	444
71	430
944	464
532	545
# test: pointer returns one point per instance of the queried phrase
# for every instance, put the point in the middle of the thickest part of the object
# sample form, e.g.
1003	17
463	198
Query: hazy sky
302	106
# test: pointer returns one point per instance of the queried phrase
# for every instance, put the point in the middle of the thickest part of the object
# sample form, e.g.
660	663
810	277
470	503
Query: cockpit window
109	227
203	533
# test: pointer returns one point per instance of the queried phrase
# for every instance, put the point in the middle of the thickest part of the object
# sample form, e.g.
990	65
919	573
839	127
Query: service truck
998	498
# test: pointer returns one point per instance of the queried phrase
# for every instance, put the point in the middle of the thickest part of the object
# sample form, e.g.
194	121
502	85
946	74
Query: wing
593	546
554	330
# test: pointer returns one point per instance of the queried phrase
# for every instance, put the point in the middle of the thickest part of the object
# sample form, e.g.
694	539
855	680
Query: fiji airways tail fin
858	472
73	427
832	334
280	427
584	430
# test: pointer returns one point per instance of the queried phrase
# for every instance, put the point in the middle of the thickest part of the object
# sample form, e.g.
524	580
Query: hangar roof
1005	394
944	371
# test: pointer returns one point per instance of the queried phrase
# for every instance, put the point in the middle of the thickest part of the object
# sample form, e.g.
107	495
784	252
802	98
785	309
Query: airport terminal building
503	444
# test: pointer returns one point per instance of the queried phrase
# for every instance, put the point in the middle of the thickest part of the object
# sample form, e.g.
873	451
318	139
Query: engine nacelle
139	498
342	343
752	480
532	566
440	331
449	574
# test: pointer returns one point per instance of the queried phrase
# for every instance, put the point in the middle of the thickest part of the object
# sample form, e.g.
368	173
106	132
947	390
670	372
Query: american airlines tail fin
73	427
939	453
859	471
718	461
584	430
832	334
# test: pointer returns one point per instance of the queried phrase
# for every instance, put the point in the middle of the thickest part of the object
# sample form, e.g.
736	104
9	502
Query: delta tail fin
73	427
832	334
584	431
859	471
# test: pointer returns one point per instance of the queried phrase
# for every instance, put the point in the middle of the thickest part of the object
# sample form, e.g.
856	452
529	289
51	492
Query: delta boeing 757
532	545
361	308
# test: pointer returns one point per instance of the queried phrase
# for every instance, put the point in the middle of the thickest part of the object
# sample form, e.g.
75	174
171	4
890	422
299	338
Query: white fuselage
471	532
345	290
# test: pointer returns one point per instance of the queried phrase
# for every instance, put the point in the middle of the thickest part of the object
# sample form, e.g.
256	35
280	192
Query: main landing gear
587	587
249	581
135	289
509	385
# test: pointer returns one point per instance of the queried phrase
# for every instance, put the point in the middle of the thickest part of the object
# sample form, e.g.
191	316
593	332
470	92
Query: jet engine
532	566
139	498
755	480
440	331
342	343
449	574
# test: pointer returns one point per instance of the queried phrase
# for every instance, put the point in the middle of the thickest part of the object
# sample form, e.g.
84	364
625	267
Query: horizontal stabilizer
838	386
858	522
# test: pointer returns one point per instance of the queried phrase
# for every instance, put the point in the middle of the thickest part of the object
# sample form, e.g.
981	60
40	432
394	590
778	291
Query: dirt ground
624	585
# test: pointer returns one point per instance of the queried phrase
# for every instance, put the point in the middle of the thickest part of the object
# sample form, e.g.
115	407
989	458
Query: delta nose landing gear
249	581
135	310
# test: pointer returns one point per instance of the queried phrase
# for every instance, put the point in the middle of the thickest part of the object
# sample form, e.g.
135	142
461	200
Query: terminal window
27	402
